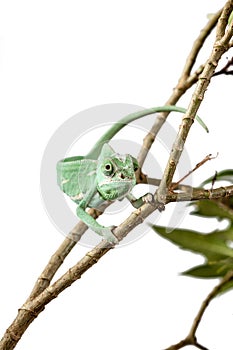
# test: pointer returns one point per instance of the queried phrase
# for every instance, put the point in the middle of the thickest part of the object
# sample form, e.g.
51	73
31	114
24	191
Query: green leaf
211	270
226	287
215	246
209	208
225	235
212	246
224	175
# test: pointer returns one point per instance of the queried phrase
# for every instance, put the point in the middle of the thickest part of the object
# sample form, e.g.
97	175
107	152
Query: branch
188	193
198	165
185	81
61	253
225	70
191	337
200	194
59	256
223	38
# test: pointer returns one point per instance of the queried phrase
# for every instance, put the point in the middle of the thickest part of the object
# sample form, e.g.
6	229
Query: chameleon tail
114	129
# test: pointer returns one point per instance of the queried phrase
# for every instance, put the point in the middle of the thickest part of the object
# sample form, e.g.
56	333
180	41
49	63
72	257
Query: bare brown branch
191	337
225	70
61	253
185	81
198	165
199	194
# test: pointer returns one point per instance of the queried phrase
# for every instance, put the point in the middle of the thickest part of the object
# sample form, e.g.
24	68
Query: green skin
104	175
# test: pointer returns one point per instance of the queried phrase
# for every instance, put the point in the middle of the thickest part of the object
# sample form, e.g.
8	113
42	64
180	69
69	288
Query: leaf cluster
216	246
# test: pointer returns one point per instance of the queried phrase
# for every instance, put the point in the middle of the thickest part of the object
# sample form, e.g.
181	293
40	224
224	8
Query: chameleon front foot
137	203
107	234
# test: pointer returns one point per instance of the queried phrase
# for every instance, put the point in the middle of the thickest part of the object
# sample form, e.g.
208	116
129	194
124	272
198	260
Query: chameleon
104	175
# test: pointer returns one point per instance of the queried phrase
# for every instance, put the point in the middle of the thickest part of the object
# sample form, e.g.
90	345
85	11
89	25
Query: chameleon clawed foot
137	203
148	198
107	234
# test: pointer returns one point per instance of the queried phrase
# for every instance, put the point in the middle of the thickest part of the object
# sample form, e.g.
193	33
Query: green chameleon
104	175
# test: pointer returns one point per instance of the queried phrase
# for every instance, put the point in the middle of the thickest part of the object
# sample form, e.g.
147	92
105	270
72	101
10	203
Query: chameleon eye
135	165
107	169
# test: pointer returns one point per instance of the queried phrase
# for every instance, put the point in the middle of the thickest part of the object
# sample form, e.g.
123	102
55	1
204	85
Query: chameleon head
115	174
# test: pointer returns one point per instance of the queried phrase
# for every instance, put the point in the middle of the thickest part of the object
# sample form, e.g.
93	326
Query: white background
58	58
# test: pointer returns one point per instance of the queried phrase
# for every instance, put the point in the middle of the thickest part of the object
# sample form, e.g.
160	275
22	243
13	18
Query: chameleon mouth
118	181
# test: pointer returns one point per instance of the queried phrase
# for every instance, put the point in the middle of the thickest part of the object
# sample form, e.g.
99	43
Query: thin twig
198	44
225	70
191	337
198	165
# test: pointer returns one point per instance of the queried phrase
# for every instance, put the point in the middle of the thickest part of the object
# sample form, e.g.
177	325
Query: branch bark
59	256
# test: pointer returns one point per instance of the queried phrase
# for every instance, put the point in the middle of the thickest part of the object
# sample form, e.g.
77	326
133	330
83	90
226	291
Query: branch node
30	311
